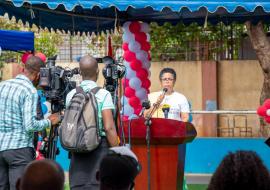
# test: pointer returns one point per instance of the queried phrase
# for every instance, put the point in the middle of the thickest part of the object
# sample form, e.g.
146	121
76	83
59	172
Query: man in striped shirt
18	110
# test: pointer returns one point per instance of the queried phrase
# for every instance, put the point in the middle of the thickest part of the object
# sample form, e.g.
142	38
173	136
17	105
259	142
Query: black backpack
79	130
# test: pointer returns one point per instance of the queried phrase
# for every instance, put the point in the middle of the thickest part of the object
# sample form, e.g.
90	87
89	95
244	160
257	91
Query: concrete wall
189	80
238	87
239	84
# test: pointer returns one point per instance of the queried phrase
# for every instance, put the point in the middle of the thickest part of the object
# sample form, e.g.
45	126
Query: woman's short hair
167	70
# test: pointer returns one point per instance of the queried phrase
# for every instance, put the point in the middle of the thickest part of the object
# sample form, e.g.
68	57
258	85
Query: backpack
79	130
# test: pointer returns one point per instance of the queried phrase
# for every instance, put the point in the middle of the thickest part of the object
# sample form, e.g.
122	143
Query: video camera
111	72
56	83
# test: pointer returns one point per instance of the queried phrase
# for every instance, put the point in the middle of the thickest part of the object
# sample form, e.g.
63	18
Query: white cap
125	151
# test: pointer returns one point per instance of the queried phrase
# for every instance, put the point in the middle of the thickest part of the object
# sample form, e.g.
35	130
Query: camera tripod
52	149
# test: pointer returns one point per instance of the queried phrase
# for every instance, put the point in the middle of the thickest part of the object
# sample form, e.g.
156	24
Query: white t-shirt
178	104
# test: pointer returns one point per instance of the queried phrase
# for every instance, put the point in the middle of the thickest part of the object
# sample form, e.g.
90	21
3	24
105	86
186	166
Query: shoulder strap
79	89
95	90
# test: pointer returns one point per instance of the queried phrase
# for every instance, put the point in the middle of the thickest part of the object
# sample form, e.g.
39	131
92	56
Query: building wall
238	88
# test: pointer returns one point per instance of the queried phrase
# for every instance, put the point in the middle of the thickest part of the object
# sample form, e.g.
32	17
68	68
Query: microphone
146	106
166	109
164	91
161	97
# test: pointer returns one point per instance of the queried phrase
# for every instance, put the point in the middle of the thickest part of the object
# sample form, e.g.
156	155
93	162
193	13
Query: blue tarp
158	5
85	15
16	41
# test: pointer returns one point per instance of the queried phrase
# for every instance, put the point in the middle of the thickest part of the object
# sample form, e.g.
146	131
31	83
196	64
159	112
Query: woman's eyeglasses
167	79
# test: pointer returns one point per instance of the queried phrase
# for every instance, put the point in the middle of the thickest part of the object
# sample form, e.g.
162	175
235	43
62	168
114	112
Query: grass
197	187
66	187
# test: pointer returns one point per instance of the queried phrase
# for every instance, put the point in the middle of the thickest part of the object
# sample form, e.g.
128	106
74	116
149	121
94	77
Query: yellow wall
239	85
239	82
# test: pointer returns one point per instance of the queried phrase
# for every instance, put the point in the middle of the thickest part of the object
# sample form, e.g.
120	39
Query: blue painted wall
203	155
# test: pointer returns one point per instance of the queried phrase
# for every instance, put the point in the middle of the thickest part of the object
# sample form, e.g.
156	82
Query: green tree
179	41
48	42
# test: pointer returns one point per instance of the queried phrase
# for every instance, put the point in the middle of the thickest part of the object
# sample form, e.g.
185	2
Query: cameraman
83	166
18	108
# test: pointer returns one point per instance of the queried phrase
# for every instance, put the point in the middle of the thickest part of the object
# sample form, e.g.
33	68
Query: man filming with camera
83	166
18	122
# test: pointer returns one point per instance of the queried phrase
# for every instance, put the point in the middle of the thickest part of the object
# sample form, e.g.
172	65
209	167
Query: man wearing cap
118	169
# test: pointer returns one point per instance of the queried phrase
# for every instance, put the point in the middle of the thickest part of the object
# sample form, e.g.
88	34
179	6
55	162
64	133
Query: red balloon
142	74
267	103
125	82
41	56
135	27
134	101
129	92
137	111
267	119
125	118
149	55
261	111
146	83
129	56
140	37
125	46
136	65
25	57
145	46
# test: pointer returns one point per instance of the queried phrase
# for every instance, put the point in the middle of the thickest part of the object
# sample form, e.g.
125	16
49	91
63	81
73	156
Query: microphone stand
148	123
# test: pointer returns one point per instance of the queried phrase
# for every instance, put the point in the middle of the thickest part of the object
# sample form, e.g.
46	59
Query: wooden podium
167	158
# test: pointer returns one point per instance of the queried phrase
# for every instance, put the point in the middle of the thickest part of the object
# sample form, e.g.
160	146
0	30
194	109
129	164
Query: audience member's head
32	68
42	175
118	169
89	68
241	170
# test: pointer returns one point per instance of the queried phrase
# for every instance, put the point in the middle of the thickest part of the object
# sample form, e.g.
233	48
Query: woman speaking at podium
172	105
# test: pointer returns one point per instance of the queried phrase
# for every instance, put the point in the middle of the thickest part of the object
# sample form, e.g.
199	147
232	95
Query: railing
224	112
234	123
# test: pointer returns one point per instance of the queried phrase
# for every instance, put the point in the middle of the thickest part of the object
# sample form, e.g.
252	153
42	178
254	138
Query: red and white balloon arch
136	56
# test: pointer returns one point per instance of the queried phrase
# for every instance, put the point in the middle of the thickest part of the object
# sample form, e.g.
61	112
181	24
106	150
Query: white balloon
135	83
128	37
126	64
124	100
126	25
145	27
133	116
134	46
148	37
128	110
141	94
142	56
130	73
146	64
